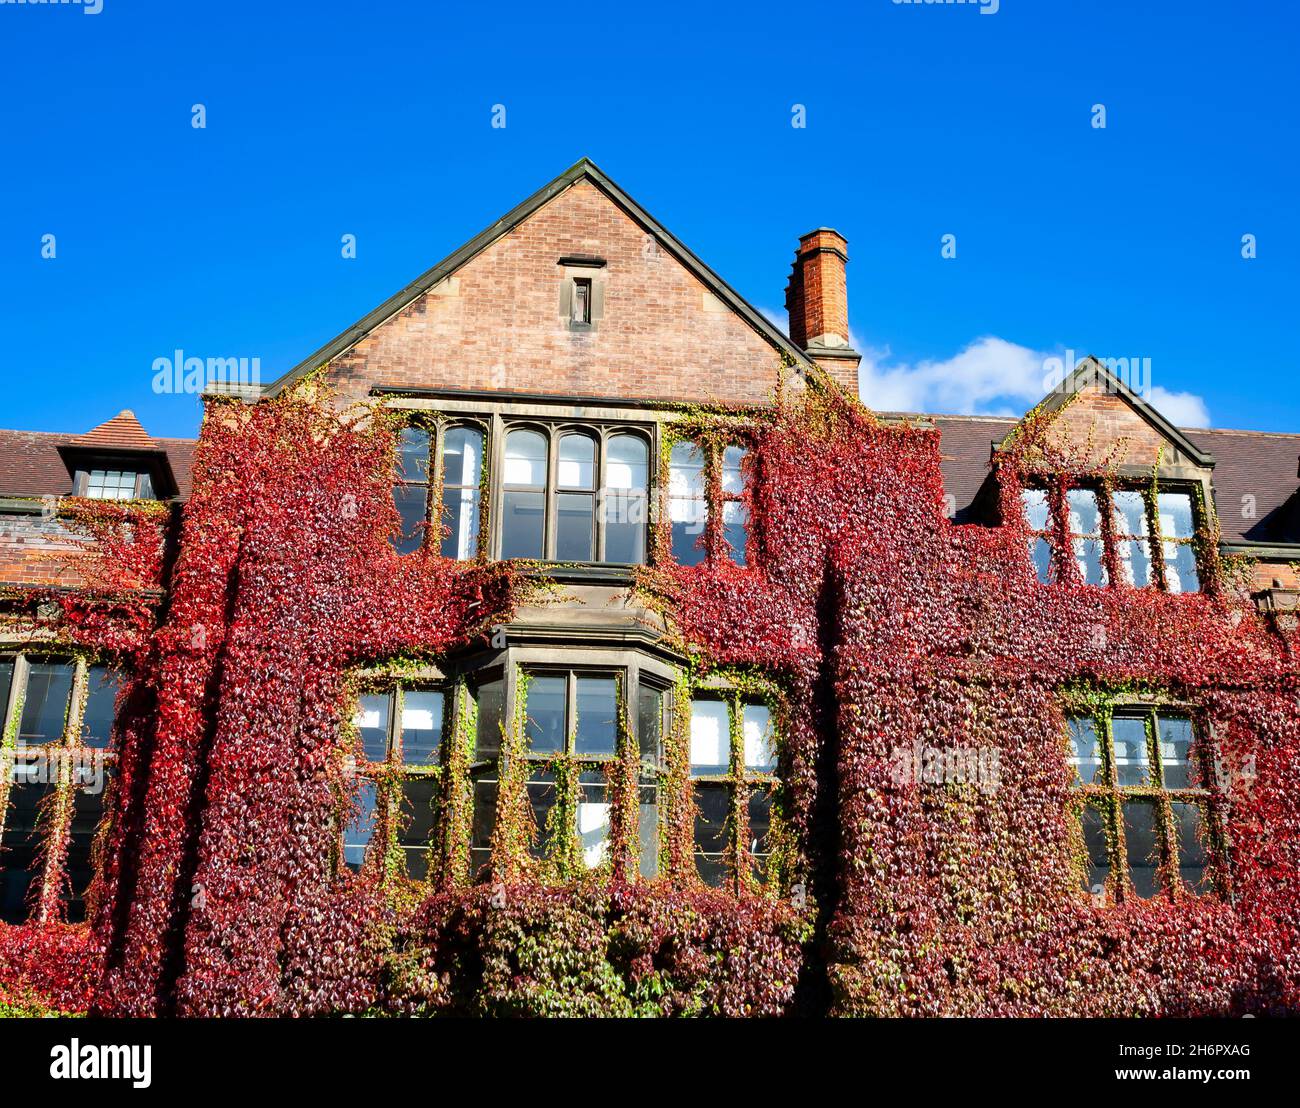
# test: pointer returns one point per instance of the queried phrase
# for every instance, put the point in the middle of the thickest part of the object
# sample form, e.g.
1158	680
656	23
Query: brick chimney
817	299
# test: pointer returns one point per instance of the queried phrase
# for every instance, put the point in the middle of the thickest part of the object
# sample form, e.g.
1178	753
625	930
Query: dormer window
118	484
1100	536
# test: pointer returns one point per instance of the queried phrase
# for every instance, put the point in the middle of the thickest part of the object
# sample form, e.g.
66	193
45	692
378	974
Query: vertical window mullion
550	529
598	507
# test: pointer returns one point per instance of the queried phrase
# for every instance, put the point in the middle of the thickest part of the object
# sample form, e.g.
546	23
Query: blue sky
330	118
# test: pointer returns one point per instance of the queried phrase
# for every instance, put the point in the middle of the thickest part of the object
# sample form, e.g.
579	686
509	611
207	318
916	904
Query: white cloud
991	376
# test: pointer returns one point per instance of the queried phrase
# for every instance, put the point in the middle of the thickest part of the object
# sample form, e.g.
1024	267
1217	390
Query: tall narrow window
733	770
735	513
571	724
1142	800
1085	536
1041	540
687	506
1177	538
462	474
411	491
626	500
581	300
60	712
575	500
523	506
1132	536
401	741
490	708
652	705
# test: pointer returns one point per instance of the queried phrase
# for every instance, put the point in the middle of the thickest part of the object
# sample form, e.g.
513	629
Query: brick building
678	713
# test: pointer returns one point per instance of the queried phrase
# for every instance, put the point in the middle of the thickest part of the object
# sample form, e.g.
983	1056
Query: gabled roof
1090	372
584	169
122	432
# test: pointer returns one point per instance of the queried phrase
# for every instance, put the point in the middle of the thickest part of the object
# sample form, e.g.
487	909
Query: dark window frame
713	543
435	482
1107	799
1063	567
75	757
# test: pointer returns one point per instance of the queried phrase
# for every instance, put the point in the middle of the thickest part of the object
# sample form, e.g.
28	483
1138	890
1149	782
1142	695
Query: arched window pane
577	462
523	513
413	454
628	464
462	462
626	507
526	459
462	456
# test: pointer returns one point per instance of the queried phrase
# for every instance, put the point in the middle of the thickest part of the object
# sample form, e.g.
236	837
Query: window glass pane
523	520
1036	508
490	698
712	812
760	825
1085	517
45	703
597	731
710	738
22	848
760	747
541	797
735	524
1088	557
1175	509
360	829
733	479
593	818
624	515
485	817
146	487
648	827
1174	734
546	706
577	462
413	454
111	484
422	716
372	721
575	527
1140	834
649	723
1130	513
462	457
87	812
525	462
411	502
686	505
1190	832
686	470
627	463
1135	562
1180	568
460	516
1086	751
102	686
1040	550
1097	843
415	825
1130	738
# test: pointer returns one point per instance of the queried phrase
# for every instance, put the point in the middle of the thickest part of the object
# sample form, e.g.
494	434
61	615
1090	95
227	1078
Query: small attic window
581	301
118	484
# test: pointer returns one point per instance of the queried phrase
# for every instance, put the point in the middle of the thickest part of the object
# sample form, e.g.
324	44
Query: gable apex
582	170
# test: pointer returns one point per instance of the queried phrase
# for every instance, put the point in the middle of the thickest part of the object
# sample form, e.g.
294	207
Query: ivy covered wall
884	626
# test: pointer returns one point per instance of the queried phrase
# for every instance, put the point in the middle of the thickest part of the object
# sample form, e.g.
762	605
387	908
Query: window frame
717	549
600	430
390	775
56	900
1063	565
435	484
1108	798
739	783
